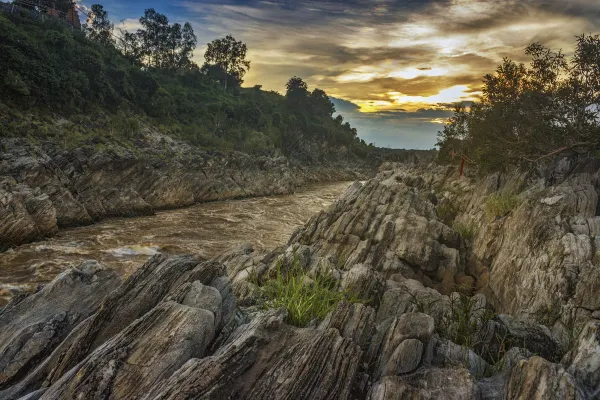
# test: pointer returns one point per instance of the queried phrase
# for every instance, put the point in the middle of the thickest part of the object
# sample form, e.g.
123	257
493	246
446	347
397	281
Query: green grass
498	205
465	230
304	298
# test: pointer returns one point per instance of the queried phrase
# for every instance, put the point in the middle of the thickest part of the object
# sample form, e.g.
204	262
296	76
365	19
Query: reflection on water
205	229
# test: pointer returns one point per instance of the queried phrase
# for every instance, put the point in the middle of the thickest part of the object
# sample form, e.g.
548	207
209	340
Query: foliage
161	45
304	298
47	69
99	27
498	205
529	112
226	61
465	230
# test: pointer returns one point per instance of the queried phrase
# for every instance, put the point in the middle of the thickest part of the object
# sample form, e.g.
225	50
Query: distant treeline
150	75
529	113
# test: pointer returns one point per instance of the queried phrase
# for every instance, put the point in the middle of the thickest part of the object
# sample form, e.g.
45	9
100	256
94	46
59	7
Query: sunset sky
393	66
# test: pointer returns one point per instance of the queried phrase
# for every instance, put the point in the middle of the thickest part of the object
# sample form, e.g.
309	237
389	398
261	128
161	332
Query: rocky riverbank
44	186
472	289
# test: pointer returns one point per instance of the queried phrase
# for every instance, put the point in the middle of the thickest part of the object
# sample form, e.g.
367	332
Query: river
126	243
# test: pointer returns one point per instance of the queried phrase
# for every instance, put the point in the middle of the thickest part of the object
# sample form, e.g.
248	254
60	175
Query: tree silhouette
226	58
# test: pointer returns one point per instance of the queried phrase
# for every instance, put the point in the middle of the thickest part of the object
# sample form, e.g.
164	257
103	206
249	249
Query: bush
465	230
304	298
498	205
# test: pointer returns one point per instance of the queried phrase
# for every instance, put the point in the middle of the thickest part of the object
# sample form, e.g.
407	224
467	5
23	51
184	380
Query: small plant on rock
305	298
465	230
498	205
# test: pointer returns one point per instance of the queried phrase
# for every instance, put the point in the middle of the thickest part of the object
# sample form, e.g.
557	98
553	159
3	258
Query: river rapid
126	243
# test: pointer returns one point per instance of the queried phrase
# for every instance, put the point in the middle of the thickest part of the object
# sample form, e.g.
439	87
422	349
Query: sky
392	67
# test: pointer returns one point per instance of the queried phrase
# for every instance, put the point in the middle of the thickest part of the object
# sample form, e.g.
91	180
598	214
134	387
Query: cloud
384	55
397	129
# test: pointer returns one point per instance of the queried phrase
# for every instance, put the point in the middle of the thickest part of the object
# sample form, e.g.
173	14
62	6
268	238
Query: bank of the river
124	244
45	186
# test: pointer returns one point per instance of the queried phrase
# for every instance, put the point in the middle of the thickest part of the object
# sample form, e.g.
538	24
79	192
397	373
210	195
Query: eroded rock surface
448	308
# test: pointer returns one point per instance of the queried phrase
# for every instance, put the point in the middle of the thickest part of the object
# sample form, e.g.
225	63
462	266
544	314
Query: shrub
465	230
498	205
304	298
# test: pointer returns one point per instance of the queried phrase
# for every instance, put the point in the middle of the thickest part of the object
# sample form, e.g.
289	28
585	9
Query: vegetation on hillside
148	76
529	113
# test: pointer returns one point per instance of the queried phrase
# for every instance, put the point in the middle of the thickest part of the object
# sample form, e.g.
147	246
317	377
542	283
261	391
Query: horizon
392	68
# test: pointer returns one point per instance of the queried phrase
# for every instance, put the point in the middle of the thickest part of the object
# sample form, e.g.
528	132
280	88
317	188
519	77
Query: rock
583	361
364	283
427	384
537	378
447	353
45	187
207	298
533	337
25	214
160	279
266	359
385	225
390	335
148	350
34	325
353	321
405	358
412	296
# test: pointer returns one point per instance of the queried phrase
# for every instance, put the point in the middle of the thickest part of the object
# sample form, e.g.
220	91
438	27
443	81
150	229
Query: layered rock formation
440	313
44	187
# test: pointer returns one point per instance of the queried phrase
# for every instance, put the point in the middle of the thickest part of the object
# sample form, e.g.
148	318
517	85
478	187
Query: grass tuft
304	298
499	205
465	230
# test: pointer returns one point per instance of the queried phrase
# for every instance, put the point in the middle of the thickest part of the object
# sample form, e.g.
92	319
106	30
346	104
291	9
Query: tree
296	89
227	56
98	26
160	45
321	104
530	112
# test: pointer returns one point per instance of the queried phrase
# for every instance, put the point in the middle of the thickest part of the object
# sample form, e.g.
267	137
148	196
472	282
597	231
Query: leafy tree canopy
530	112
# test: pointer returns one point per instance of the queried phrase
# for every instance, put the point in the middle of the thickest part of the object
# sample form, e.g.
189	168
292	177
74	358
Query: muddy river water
125	243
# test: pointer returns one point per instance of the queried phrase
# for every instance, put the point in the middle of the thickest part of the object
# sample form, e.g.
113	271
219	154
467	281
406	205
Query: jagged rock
537	378
449	353
411	296
406	358
160	279
427	384
267	359
390	335
353	321
533	337
25	214
32	326
148	350
364	283
583	361
386	226
46	187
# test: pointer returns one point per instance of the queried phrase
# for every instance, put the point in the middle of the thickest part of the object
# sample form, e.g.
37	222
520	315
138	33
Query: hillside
52	73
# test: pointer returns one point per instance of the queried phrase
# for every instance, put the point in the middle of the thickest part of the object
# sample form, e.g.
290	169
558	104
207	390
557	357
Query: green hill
51	73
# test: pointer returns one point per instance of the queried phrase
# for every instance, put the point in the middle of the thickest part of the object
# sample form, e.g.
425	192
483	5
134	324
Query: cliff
470	288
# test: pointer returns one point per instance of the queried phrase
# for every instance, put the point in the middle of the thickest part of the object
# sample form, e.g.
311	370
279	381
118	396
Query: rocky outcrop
424	318
44	187
33	326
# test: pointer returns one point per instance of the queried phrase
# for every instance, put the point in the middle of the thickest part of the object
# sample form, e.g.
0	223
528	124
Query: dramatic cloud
391	59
